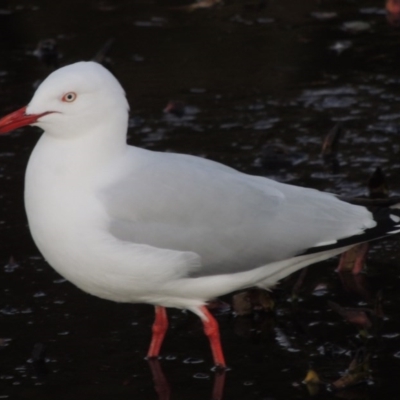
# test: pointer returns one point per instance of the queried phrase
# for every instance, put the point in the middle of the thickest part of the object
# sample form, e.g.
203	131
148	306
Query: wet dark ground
252	74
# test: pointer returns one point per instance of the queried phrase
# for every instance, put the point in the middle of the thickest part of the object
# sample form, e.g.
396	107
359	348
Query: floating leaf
358	372
312	377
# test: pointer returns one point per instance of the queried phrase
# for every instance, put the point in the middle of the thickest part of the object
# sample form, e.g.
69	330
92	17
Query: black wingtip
387	223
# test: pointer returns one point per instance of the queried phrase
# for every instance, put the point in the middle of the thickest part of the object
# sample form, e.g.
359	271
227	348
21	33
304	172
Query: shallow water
254	76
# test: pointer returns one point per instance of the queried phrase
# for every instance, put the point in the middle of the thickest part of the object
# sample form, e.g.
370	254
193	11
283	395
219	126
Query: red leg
160	327
212	331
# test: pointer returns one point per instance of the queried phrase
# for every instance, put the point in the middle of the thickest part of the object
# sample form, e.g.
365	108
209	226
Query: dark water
251	73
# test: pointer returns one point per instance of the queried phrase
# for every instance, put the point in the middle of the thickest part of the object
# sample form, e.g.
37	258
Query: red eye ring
69	97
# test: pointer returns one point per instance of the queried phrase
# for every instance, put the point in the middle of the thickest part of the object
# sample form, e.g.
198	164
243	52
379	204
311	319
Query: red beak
17	119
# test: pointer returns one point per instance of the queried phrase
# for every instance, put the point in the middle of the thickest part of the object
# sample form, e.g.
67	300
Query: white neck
79	155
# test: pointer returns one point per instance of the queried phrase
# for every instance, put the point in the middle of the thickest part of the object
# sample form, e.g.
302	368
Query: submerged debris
47	52
241	304
244	303
330	146
356	316
377	185
101	56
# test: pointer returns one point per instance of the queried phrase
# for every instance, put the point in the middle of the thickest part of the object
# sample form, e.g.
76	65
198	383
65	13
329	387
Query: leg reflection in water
162	387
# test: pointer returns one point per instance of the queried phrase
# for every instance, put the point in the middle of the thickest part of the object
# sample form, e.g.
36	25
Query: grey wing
233	221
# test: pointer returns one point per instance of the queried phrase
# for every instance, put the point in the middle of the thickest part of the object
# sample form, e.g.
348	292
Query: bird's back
234	221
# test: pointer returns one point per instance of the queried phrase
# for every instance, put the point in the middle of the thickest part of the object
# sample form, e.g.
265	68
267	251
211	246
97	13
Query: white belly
70	227
66	221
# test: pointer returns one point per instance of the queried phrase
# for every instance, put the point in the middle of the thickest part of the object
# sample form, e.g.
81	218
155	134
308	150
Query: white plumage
132	225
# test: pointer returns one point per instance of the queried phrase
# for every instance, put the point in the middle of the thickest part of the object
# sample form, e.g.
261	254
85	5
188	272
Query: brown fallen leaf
357	372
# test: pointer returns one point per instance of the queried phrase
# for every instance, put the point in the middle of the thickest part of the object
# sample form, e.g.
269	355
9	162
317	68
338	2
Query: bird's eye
69	97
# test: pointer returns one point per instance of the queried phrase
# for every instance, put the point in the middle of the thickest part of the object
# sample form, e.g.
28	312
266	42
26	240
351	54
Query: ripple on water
389	117
192	360
265	124
391	335
340	97
11	266
390	128
154	22
201	375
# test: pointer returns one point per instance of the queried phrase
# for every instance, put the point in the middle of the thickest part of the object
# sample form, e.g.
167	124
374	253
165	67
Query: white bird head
73	101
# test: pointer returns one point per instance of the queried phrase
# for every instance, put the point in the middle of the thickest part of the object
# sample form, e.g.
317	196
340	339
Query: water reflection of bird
172	230
163	389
